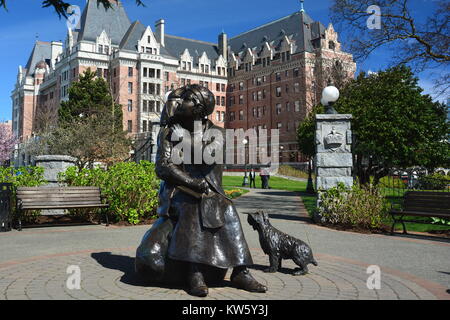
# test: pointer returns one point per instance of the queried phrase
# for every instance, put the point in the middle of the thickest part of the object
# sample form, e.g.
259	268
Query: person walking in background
265	176
252	178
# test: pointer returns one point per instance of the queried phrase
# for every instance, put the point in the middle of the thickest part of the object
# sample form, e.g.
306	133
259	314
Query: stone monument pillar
53	164
333	161
333	151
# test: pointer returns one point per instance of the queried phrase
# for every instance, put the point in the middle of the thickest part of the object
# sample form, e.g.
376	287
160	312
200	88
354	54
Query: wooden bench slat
74	206
58	203
57	191
56	188
428	204
421	214
54	198
428	193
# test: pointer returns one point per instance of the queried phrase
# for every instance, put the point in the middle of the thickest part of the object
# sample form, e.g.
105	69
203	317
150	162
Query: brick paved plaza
33	263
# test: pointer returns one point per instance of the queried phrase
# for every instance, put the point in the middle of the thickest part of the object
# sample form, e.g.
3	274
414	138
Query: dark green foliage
90	124
394	124
131	189
89	97
306	132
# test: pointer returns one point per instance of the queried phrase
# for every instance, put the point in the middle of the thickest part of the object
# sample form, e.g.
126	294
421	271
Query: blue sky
25	21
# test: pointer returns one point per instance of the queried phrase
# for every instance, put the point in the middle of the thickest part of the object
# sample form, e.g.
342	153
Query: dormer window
331	45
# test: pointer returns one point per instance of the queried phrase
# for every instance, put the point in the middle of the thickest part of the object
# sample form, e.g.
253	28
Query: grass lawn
274	183
309	200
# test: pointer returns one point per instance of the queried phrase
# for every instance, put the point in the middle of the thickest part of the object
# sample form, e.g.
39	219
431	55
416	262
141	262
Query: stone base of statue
153	265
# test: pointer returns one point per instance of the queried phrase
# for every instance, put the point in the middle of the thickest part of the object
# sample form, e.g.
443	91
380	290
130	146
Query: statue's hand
202	186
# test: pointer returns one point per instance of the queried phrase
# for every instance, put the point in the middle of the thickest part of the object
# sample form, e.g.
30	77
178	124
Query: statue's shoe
244	280
197	286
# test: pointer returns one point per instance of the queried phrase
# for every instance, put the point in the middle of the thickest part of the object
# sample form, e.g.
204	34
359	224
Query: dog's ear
265	216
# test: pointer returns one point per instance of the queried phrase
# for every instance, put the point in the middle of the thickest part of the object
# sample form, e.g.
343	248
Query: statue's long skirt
223	247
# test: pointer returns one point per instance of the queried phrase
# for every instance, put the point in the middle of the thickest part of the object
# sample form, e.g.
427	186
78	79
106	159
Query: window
278	108
130	125
232	116
130	71
288	106
331	45
130	87
278	76
144	87
254	112
287	88
222	101
158	106
184	64
241	99
223	116
286	73
297	106
296	87
144	126
279	125
258	81
217	86
158	73
151	106
130	105
278	91
222	86
217	100
241	86
100	48
217	115
145	72
151	72
260	96
151	88
145	106
296	72
258	112
241	114
166	76
254	95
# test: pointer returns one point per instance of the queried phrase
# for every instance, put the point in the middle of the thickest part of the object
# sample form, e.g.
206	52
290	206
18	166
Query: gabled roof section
42	51
135	33
95	18
297	27
177	45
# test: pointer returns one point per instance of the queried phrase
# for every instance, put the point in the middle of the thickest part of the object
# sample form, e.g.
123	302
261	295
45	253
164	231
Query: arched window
331	45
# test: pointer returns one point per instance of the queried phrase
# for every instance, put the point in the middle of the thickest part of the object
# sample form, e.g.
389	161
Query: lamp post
245	181
330	95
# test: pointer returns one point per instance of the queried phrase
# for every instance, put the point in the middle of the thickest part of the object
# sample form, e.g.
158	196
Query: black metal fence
399	181
5	206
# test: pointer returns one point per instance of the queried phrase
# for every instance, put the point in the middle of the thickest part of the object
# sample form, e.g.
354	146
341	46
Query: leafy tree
90	124
306	132
394	124
7	142
61	6
421	42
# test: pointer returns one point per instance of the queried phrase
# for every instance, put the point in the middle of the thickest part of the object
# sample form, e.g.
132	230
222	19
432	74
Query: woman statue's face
185	111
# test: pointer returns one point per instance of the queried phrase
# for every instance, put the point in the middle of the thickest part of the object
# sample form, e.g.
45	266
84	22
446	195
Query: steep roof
298	26
42	51
176	46
95	18
133	35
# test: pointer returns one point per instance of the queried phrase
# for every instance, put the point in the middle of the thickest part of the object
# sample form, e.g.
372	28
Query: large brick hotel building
268	77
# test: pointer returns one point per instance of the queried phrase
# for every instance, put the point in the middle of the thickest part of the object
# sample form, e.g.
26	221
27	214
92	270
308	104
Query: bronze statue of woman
198	235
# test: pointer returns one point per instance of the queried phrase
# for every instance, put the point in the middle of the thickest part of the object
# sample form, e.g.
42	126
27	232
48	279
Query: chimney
159	31
57	49
223	45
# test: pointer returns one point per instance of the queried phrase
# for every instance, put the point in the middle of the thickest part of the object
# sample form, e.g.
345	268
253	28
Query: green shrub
29	176
131	189
435	181
361	206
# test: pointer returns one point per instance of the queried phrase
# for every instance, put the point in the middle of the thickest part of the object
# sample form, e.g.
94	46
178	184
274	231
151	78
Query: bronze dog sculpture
279	245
